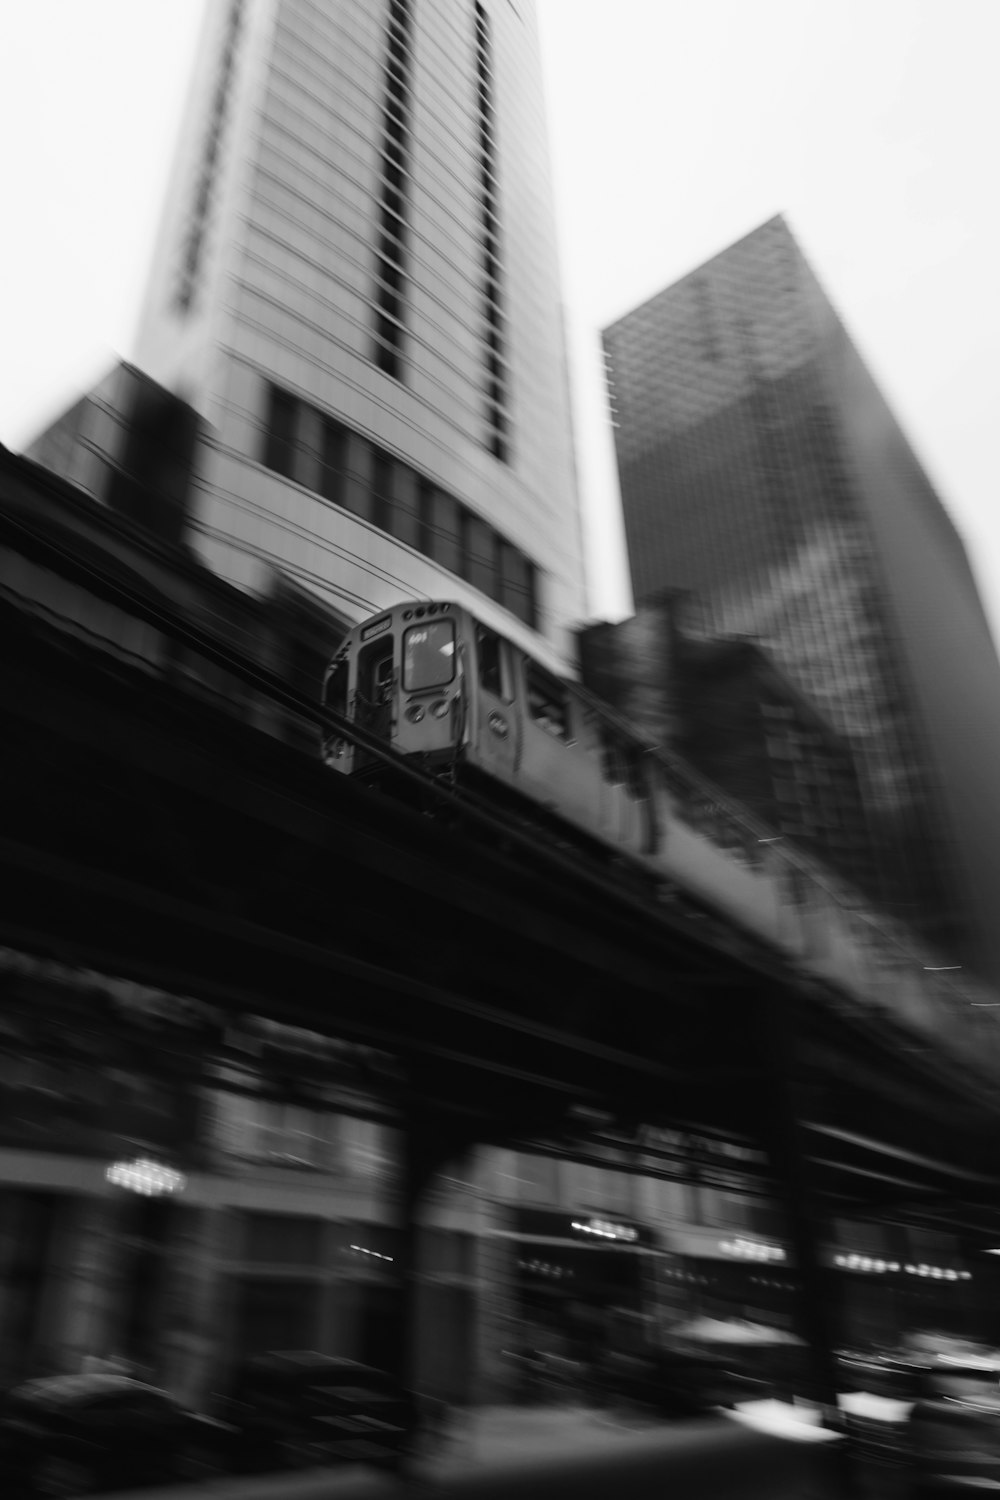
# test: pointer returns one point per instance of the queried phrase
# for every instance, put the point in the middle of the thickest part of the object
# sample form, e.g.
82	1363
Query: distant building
356	287
762	471
726	708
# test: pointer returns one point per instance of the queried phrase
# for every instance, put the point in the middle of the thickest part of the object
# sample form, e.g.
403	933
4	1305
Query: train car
441	689
437	686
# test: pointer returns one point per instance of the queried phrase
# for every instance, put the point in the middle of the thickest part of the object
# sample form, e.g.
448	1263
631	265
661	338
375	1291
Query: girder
152	835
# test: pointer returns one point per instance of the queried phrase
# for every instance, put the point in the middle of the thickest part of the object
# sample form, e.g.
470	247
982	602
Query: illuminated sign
149	1178
604	1229
868	1264
751	1250
379	628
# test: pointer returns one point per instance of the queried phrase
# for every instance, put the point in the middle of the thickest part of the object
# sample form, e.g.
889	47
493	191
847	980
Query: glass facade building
356	286
766	481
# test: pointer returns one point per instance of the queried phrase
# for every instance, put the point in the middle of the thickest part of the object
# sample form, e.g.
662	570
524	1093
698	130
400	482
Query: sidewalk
494	1435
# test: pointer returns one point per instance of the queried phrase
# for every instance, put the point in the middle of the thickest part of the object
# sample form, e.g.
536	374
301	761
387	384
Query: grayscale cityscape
481	1014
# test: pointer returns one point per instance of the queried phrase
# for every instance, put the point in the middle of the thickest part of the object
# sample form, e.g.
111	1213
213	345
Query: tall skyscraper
356	288
764	476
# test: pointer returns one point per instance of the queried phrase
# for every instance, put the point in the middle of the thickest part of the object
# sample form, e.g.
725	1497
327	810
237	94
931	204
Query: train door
375	681
497	728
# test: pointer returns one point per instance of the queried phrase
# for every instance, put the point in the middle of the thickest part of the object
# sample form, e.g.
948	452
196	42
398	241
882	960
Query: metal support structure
432	1139
786	1146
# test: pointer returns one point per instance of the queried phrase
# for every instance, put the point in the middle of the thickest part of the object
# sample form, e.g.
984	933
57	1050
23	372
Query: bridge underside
151	836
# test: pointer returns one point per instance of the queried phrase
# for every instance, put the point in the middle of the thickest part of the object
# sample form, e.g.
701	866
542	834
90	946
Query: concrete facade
313	132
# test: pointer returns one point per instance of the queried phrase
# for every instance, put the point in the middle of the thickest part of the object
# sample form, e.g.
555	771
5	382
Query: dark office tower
763	474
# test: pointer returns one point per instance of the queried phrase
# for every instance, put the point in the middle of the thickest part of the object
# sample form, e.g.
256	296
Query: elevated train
450	693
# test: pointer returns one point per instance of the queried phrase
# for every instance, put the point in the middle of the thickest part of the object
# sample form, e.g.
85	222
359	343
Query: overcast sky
676	126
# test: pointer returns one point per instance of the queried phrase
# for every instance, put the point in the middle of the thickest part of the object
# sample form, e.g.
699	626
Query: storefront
724	1275
583	1282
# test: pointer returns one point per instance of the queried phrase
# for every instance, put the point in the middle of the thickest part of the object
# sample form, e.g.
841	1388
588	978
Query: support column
49	1355
93	1270
194	1303
11	1221
496	1310
786	1147
431	1141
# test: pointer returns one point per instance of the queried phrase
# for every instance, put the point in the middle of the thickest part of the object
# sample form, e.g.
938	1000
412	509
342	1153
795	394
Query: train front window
428	655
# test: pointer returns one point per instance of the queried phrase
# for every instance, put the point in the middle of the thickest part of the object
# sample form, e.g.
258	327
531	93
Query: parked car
77	1434
297	1409
954	1429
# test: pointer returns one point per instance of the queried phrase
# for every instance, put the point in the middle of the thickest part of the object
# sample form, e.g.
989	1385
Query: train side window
611	761
494	675
548	703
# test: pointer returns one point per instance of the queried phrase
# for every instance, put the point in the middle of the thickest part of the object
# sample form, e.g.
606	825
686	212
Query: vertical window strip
398	499
389	299
495	371
194	240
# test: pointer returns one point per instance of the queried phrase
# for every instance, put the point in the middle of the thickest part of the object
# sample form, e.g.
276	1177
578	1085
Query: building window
194	240
495	369
279	434
389	298
333	462
480	554
303	443
443	531
382	507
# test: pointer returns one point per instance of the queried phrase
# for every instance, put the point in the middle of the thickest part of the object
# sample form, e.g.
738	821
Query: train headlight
415	713
440	708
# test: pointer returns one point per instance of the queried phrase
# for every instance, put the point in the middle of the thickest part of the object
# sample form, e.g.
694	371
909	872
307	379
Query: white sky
676	126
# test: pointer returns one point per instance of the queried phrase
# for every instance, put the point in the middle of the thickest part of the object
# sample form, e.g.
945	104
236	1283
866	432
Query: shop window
446	1253
283	1239
517	584
274	1314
